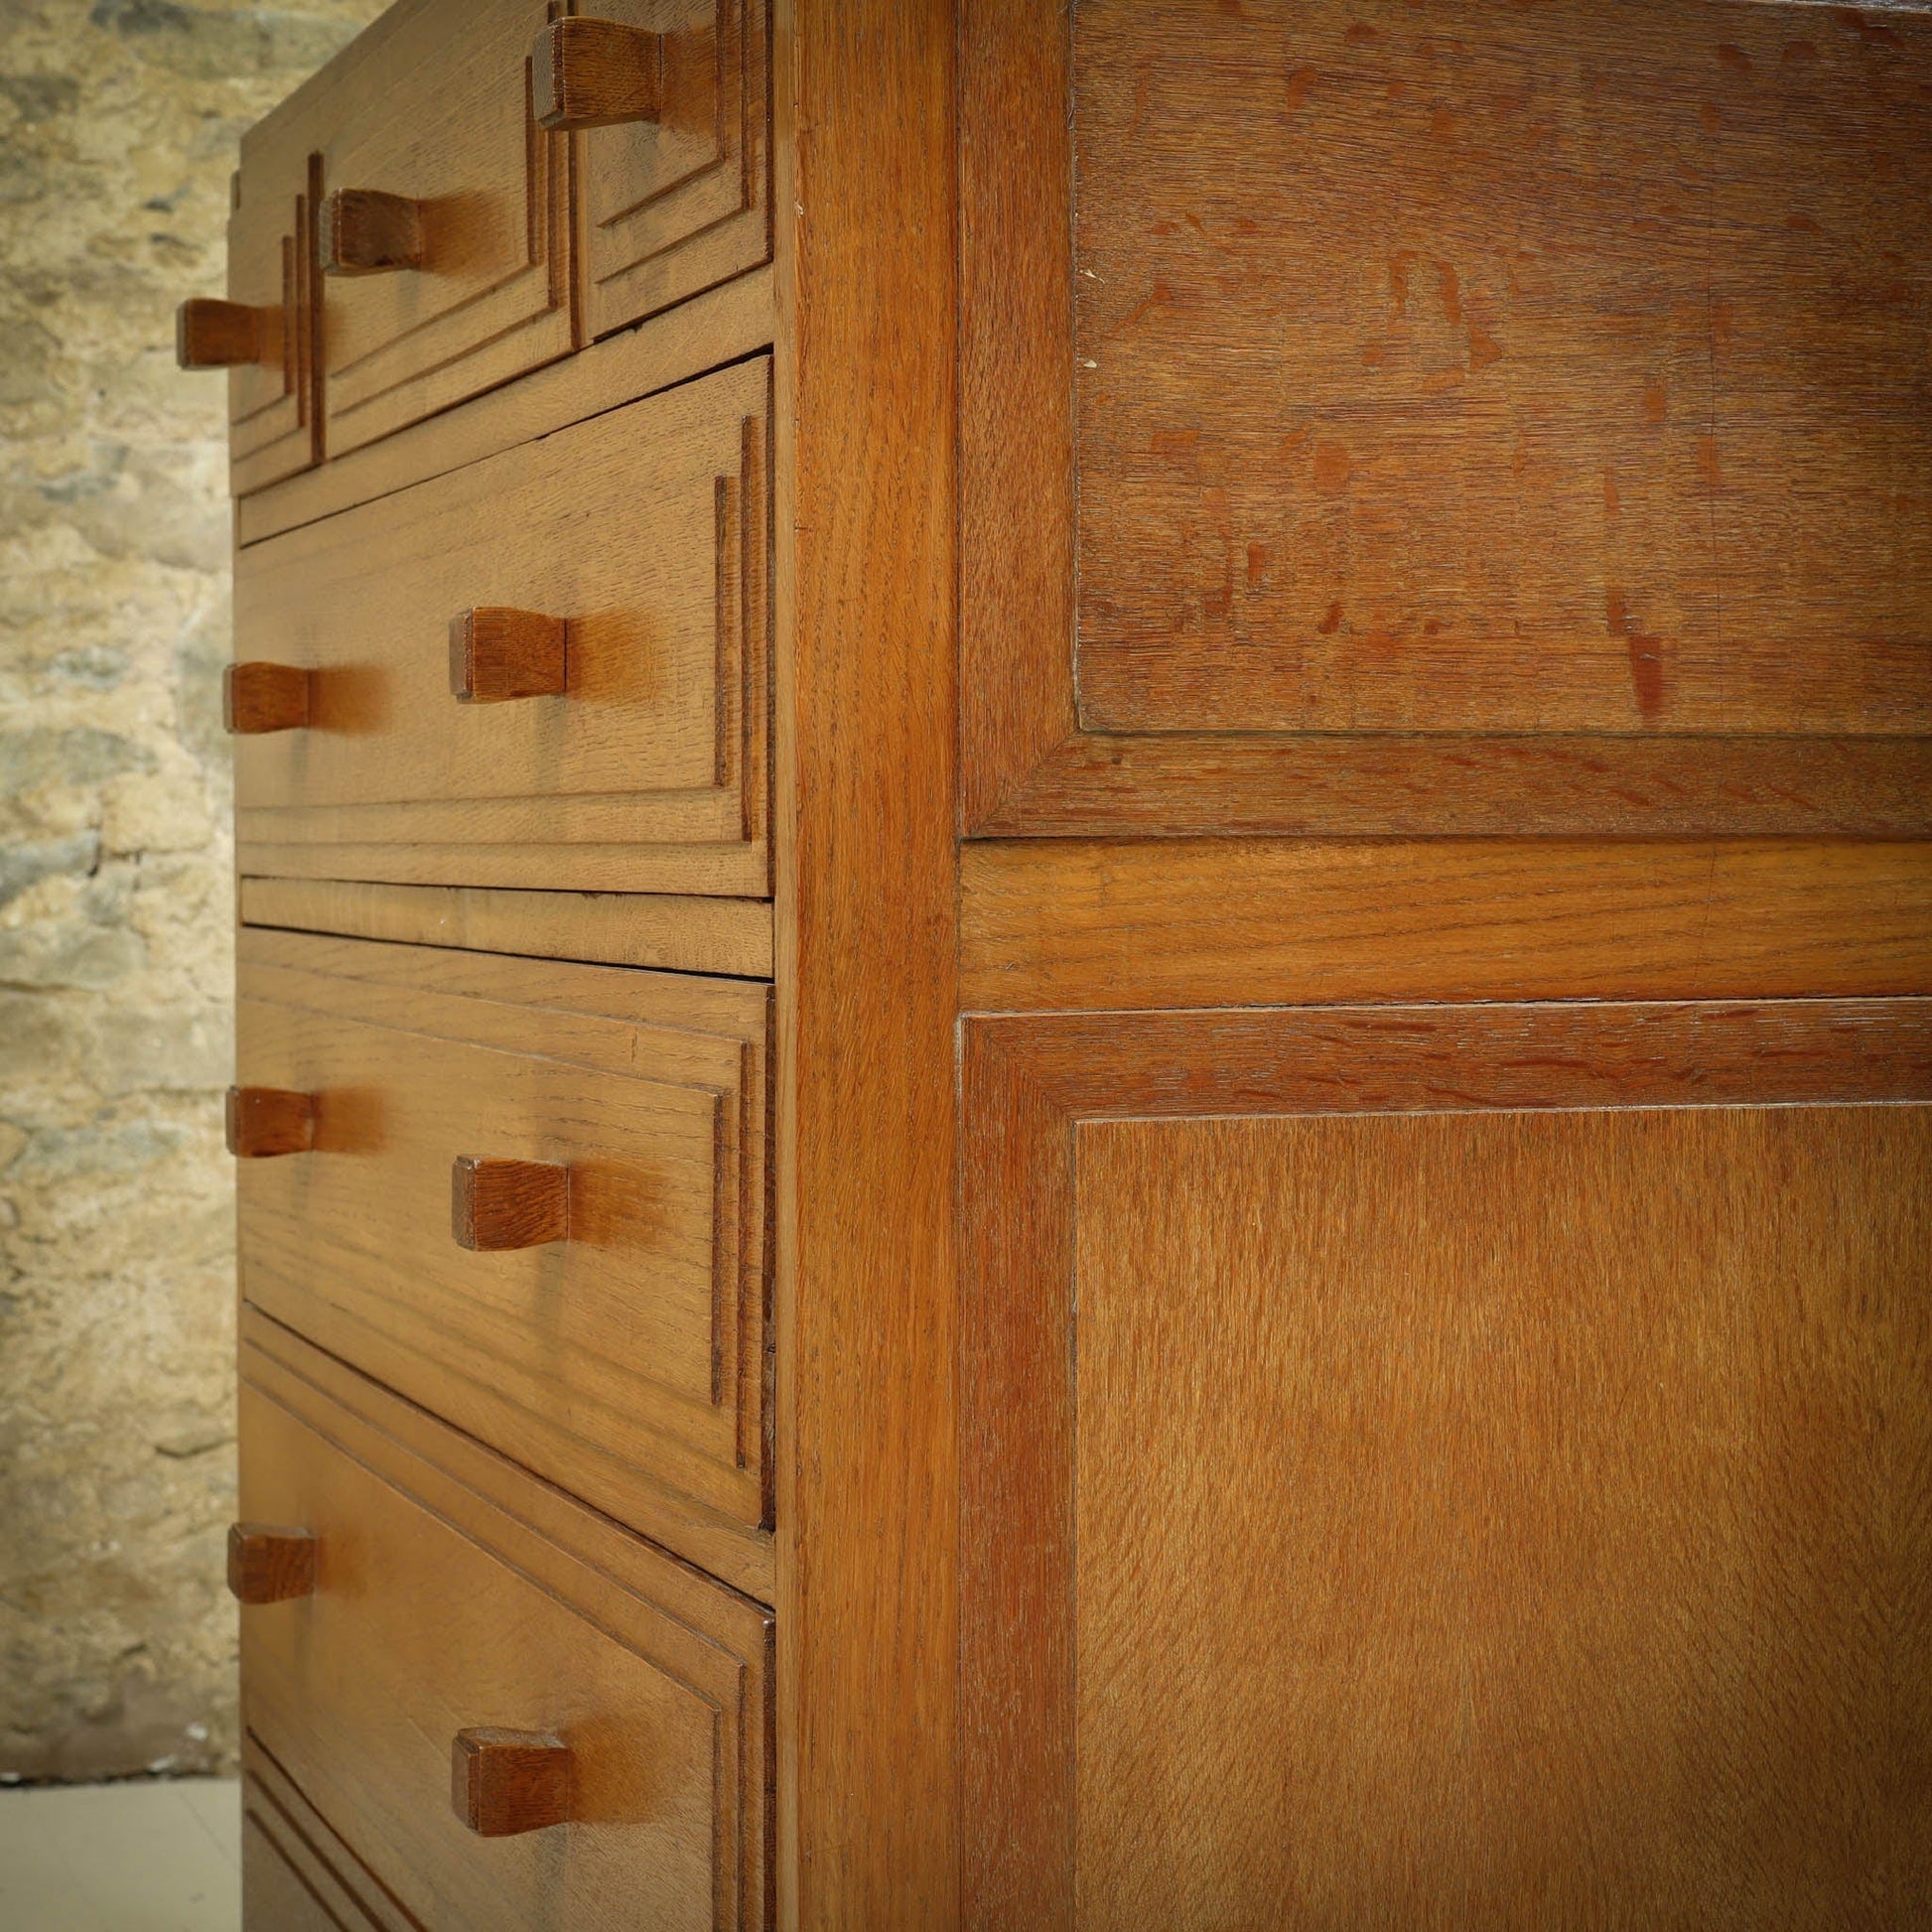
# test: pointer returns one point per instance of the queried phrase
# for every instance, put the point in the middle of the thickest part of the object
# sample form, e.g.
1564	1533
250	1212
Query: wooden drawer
432	107
645	532
622	1354
449	1594
670	206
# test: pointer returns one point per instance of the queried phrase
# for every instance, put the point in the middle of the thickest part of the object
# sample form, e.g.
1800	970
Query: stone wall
118	127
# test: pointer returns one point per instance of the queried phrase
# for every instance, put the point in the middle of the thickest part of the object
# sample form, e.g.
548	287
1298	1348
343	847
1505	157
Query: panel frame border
1028	1082
1028	766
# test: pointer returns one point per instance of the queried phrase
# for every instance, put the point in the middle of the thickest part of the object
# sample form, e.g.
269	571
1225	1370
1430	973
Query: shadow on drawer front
512	1713
546	669
530	1196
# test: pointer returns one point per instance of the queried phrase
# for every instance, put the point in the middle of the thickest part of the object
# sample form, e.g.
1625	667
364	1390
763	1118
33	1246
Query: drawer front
672	205
272	429
451	1594
296	1872
643	533
622	1351
432	107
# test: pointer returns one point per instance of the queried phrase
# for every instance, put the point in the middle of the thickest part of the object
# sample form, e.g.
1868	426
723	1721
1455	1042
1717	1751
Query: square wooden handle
258	698
270	1564
503	1782
215	335
498	653
499	1204
265	1122
369	231
588	72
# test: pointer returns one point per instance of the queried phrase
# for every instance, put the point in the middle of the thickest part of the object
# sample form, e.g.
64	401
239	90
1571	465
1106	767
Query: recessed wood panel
1452	1466
669	207
626	1357
1504	1519
453	1594
1473	419
1560	369
646	531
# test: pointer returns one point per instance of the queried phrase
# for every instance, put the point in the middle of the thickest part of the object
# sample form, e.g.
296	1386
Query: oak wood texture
269	1563
648	527
587	72
262	1123
1097	925
869	691
1522	445
723	325
668	932
216	335
498	654
451	1584
1484	1483
629	1363
274	1890
430	106
500	1206
504	1783
367	231
294	1865
258	697
274	395
674	202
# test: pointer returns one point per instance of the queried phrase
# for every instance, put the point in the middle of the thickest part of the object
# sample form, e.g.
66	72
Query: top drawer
672	205
443	235
472	189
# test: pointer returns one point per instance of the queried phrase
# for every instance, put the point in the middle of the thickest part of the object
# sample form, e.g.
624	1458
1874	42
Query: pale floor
153	1857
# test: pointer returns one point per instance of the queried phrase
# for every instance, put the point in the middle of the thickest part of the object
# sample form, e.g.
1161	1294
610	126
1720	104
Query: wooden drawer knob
267	1121
365	231
496	654
271	1565
258	698
588	73
212	334
502	1782
499	1204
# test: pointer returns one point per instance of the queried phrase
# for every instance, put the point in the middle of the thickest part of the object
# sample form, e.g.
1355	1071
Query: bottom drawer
455	1623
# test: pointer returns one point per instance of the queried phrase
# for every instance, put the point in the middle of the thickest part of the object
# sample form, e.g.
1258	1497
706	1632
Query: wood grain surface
270	1564
266	1123
631	1361
1202	922
504	1783
296	1871
1742	1070
1457	410
1504	1519
1551	373
276	1891
647	530
867	944
440	1607
667	930
499	1205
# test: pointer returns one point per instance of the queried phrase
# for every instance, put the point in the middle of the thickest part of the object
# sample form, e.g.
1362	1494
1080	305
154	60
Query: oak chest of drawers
1084	1052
